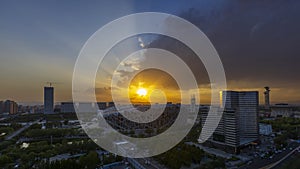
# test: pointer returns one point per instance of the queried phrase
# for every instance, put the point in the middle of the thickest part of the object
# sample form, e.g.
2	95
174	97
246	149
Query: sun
141	92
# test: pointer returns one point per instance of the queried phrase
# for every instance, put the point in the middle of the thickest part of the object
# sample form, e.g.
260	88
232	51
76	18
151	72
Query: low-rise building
67	107
265	129
282	110
102	105
297	114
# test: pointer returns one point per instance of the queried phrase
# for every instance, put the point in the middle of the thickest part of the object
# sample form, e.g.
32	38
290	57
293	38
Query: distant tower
191	115
267	97
193	103
48	99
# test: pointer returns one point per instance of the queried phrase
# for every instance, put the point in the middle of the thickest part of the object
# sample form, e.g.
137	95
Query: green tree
4	159
90	161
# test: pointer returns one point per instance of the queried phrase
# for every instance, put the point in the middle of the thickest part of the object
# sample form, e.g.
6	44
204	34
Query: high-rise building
48	99
248	115
1	106
10	107
267	98
239	123
245	103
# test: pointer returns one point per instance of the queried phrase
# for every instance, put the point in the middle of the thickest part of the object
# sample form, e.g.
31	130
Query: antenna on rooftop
51	83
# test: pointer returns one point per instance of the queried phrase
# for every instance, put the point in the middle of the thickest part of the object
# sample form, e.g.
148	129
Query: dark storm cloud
186	54
256	40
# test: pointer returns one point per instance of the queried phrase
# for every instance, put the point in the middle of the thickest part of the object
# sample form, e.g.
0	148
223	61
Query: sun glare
141	92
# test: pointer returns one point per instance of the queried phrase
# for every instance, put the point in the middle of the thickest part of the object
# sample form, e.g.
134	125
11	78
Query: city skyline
41	41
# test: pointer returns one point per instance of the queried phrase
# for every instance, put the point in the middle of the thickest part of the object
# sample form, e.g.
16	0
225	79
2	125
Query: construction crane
51	83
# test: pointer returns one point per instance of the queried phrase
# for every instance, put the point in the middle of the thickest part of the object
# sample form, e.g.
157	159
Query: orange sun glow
142	92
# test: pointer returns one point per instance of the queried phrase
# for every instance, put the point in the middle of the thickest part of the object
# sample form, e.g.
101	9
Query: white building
265	129
282	110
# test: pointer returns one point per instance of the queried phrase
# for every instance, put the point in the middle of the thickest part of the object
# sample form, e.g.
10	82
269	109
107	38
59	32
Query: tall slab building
48	100
245	103
239	124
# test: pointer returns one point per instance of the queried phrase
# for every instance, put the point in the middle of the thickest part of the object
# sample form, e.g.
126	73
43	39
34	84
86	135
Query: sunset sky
257	41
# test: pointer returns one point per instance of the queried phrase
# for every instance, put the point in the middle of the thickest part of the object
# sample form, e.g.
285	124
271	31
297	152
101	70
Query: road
264	163
258	163
14	134
279	161
147	163
21	140
209	150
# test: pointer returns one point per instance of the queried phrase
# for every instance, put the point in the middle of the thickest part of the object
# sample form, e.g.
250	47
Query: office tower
245	104
10	107
239	124
48	99
267	97
248	115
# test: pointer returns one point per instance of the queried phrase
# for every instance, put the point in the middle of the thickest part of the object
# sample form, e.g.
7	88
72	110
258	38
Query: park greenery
7	130
39	152
184	155
89	161
285	129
